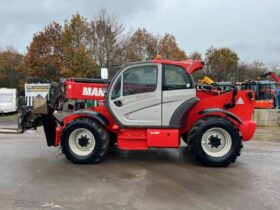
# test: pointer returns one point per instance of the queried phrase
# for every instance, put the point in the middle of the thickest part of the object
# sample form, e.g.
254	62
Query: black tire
196	140
113	140
184	137
101	139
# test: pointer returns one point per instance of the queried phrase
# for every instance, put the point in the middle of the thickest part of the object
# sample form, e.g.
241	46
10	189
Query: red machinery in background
276	88
264	92
273	76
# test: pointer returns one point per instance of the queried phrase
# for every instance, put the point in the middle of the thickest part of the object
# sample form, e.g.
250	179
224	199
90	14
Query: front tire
215	141
84	141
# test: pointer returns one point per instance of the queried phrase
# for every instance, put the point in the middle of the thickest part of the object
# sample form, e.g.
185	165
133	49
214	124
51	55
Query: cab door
177	90
135	96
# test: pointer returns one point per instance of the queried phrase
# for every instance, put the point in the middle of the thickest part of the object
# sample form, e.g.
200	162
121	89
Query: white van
8	100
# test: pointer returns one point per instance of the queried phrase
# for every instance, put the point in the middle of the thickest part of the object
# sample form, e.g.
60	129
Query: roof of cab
189	65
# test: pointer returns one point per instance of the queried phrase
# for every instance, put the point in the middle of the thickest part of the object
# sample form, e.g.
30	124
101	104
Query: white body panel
172	99
144	109
8	100
140	109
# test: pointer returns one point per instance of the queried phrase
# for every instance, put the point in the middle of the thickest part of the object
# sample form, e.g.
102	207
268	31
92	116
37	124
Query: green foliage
250	71
45	53
80	46
142	45
221	63
76	60
168	49
195	55
10	62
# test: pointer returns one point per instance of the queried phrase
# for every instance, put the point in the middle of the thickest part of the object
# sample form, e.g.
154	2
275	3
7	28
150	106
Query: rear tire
215	141
84	141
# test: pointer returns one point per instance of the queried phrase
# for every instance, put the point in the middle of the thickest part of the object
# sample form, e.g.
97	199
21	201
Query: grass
9	116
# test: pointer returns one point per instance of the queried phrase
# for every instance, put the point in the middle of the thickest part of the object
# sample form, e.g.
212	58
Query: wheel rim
81	142
216	142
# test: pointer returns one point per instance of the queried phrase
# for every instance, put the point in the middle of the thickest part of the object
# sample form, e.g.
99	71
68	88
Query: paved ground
33	176
8	121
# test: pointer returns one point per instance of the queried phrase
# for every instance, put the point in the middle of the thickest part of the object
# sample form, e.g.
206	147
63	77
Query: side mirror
104	73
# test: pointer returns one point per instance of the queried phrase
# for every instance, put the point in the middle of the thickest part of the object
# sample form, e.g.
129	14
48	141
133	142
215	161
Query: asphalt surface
34	176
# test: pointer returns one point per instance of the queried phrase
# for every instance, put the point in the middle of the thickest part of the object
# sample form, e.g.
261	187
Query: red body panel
163	138
264	104
142	139
132	139
86	91
99	109
247	129
58	133
211	100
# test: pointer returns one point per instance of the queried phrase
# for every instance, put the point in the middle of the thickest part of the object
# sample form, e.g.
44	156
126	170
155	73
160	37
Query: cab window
175	78
142	79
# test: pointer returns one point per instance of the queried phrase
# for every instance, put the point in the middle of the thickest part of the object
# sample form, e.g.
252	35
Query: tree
10	60
77	60
106	40
61	51
250	71
195	55
168	49
141	46
45	53
221	63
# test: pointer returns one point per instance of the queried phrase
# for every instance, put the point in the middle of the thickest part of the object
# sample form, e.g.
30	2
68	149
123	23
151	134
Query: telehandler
151	104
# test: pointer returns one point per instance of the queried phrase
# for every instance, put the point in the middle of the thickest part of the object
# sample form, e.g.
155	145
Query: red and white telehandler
151	104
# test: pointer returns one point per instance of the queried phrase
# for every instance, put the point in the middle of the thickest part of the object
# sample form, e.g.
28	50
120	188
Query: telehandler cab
148	105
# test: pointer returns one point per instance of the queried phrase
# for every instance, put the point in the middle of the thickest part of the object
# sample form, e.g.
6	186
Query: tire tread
102	141
199	155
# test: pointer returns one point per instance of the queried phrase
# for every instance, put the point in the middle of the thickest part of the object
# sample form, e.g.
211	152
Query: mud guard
92	114
178	115
219	110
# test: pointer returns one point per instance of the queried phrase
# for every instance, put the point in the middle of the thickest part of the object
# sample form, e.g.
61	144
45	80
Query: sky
249	27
